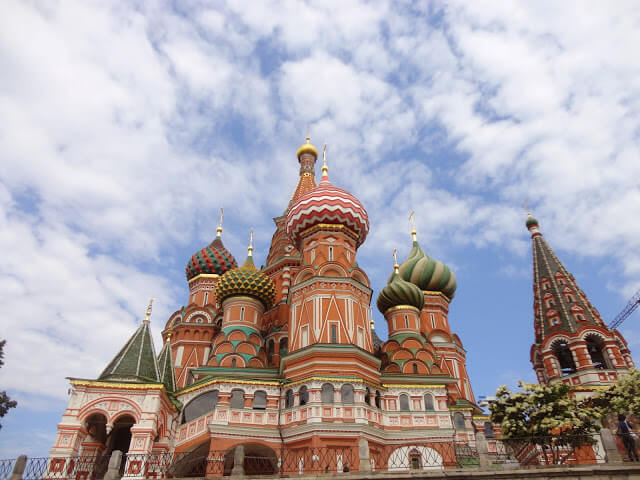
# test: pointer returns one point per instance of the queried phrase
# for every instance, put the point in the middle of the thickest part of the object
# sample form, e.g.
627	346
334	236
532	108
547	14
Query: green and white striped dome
428	274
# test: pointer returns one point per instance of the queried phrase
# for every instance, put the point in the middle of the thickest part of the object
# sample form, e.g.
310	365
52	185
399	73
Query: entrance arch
120	436
258	460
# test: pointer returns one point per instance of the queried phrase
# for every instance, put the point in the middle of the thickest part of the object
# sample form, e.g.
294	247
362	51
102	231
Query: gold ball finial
149	308
307	148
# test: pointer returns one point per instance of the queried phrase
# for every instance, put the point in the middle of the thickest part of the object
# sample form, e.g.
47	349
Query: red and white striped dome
327	205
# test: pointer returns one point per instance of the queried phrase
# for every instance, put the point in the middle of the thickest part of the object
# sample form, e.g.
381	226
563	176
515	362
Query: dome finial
396	267
250	248
325	169
412	222
148	313
219	229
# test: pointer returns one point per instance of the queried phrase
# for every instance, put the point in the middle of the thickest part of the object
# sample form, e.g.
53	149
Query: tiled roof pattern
212	259
246	280
137	359
549	272
427	273
327	204
165	368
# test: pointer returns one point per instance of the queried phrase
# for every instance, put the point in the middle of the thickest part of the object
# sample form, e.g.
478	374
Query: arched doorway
120	436
193	463
258	460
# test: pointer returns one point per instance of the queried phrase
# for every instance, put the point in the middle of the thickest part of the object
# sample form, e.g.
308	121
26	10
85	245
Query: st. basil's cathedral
287	355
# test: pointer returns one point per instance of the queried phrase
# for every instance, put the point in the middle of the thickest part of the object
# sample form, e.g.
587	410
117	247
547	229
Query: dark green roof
136	360
165	367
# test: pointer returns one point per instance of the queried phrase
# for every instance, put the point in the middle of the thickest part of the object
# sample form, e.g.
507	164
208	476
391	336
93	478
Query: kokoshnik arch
287	354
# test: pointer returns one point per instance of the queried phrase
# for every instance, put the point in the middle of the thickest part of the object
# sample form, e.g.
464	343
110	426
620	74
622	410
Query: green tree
545	416
5	402
623	396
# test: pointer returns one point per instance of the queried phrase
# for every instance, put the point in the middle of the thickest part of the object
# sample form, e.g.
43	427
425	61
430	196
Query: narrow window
488	430
346	393
237	398
206	298
304	395
260	400
367	396
378	400
415	368
565	358
570	298
361	337
305	336
406	321
288	400
241	313
404	402
458	420
415	459
313	255
327	393
179	354
334	334
330	254
428	402
233	363
284	346
349	255
433	320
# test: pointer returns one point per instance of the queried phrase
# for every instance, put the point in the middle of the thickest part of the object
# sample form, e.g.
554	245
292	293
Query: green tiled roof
136	360
165	367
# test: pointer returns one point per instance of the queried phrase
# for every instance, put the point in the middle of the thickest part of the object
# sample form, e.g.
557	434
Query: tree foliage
623	396
5	402
547	416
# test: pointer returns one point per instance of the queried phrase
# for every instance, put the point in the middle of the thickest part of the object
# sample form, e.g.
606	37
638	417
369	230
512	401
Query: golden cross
146	318
395	256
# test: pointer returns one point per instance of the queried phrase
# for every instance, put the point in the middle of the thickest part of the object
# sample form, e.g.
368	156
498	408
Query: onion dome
212	259
531	222
248	281
307	148
327	205
426	273
399	292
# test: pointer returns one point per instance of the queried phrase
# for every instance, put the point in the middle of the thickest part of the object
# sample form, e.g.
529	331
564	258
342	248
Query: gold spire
412	221
148	314
219	229
396	267
325	169
250	248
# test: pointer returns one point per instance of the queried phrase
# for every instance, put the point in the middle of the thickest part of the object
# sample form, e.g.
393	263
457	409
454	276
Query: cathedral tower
572	343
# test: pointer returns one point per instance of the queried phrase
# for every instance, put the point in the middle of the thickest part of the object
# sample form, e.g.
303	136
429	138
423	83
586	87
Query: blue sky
125	126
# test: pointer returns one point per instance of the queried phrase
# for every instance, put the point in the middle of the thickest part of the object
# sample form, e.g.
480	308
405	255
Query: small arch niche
346	393
327	393
563	354
595	347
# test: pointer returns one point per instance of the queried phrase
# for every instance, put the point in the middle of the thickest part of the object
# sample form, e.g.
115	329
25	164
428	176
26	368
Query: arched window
488	430
404	402
565	358
428	402
458	420
346	393
242	313
415	368
284	346
378	399
367	396
330	254
304	395
288	399
406	321
415	459
327	393
270	349
595	348
237	398
199	406
233	363
259	400
334	334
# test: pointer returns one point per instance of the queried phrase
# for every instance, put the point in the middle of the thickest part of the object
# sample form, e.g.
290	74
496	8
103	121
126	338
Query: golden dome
307	148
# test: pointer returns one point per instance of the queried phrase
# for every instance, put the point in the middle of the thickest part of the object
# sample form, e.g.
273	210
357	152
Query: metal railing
84	467
550	450
432	454
6	468
417	456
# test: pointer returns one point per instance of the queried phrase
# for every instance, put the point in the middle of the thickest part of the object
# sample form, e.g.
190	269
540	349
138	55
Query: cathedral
286	356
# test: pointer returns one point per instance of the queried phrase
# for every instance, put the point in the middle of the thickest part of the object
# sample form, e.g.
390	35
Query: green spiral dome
399	292
428	274
246	280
